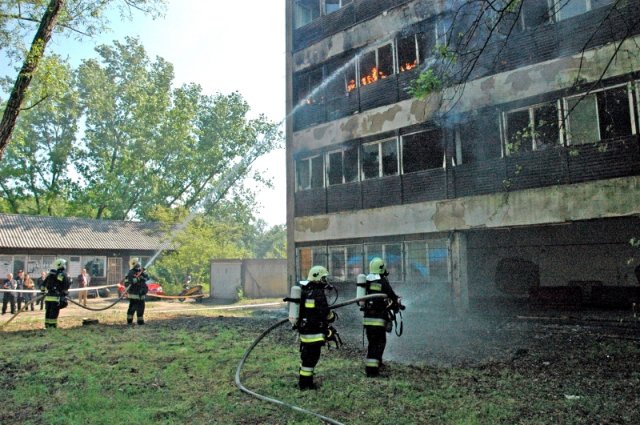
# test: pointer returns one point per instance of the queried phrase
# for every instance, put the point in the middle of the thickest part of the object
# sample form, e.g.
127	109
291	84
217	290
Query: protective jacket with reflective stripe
315	314
375	310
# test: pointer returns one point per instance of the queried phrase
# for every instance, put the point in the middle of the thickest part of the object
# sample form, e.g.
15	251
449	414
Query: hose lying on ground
24	308
265	333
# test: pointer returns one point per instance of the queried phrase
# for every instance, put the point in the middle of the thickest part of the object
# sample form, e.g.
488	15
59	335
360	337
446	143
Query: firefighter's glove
63	303
333	335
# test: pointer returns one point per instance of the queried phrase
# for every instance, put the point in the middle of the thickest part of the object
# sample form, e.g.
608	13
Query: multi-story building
523	175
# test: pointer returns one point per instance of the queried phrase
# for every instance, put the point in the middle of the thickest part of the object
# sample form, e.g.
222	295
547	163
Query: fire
351	85
374	76
408	66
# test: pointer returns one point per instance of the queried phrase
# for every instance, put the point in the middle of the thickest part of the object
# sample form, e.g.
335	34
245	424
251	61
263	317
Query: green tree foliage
37	20
148	144
34	176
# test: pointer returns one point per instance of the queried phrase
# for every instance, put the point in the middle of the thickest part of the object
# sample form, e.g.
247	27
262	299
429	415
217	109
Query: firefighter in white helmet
376	314
313	324
136	281
55	290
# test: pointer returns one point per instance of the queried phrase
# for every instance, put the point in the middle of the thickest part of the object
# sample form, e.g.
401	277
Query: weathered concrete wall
552	205
257	278
497	89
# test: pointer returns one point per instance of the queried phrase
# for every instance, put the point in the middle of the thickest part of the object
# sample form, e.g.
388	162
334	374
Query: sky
223	47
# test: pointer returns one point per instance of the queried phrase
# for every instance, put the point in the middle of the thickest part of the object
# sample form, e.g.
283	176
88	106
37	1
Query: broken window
342	166
407	53
380	159
376	65
605	114
305	11
422	151
533	128
341	79
307	87
309	173
478	139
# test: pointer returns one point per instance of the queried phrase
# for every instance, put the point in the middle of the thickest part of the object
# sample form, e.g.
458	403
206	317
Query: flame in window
372	77
351	86
409	65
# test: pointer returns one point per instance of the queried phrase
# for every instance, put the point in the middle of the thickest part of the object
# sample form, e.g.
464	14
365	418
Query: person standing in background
20	287
9	297
83	282
39	286
28	296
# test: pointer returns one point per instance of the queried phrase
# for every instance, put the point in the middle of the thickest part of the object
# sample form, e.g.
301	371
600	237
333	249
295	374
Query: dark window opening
426	45
370	162
534	13
407	53
389	158
479	139
317	172
545	124
334	168
614	113
342	79
519	132
422	151
351	164
308	87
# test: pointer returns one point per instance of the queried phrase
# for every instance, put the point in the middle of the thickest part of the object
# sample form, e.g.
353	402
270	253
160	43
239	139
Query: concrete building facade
521	181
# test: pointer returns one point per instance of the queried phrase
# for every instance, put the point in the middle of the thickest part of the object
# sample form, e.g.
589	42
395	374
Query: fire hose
264	334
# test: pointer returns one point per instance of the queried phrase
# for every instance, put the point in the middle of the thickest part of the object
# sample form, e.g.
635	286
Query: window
305	11
309	257
345	262
422	151
307	87
534	13
426	261
342	166
605	114
376	65
533	128
380	159
343	79
95	266
566	9
309	173
478	139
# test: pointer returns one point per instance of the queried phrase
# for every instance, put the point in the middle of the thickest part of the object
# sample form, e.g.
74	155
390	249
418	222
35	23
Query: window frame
380	157
376	51
630	86
309	160
536	145
343	177
442	145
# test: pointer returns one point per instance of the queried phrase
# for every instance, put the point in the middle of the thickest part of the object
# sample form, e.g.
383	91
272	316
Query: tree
150	145
79	16
34	176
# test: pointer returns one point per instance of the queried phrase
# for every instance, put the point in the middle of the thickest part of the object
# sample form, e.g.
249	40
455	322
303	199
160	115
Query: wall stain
449	216
377	121
312	225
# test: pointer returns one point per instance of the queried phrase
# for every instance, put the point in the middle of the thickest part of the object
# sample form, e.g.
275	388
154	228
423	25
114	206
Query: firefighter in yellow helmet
376	314
136	281
55	290
314	324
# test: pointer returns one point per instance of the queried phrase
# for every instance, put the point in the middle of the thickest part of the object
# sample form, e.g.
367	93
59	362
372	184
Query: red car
154	288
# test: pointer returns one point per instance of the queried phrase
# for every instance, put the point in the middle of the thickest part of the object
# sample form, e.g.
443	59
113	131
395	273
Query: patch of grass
181	370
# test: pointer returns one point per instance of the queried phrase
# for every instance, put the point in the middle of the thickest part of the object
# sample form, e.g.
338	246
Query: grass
180	370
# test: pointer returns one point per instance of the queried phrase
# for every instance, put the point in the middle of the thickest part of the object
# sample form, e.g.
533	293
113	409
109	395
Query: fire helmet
377	266
59	264
133	262
316	273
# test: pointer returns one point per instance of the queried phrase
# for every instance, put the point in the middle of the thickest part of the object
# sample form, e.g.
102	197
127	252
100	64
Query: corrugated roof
27	231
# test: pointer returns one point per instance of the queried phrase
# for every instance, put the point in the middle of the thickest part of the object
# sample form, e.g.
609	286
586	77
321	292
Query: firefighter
313	324
377	314
136	281
55	290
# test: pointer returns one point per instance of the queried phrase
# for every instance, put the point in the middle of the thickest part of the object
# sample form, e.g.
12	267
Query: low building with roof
103	247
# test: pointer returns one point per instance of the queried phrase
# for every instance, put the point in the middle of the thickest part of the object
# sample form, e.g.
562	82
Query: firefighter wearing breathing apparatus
55	290
310	314
136	281
377	312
